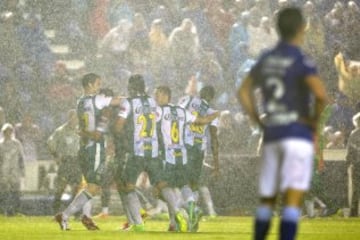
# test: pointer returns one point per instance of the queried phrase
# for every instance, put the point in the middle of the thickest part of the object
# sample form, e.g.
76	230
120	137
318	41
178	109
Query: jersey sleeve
125	109
102	101
309	66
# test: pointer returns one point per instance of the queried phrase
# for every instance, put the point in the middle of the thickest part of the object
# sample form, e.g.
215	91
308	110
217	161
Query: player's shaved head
88	79
290	21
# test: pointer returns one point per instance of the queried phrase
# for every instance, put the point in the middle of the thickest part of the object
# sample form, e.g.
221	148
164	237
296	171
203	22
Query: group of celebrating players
166	141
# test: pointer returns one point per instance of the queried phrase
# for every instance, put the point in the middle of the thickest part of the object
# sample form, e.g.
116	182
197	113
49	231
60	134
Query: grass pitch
29	228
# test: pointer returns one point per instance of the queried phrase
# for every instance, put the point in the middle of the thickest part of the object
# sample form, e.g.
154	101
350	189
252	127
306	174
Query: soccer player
92	148
290	87
137	121
173	120
63	144
196	141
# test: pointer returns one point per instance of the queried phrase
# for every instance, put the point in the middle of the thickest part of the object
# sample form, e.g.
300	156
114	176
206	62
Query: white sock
77	204
134	207
87	208
105	210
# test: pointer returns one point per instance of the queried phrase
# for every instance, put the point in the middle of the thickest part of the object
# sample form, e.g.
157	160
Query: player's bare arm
119	124
116	101
317	87
202	120
246	98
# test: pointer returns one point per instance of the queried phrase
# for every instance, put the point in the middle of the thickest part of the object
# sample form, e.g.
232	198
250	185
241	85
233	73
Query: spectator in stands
352	30
264	31
115	45
10	46
36	46
60	95
239	42
139	41
184	49
159	54
11	171
353	162
2	120
9	98
315	40
30	135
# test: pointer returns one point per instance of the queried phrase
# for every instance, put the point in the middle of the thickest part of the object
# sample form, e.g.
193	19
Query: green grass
29	228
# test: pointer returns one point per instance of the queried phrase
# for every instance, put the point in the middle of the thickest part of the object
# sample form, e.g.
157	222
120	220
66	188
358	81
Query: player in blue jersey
91	154
293	96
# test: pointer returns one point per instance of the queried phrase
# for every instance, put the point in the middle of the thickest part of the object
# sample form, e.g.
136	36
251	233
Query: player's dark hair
136	84
89	78
164	89
207	92
107	92
290	20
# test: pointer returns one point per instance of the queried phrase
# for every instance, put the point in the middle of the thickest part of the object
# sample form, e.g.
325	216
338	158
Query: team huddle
150	134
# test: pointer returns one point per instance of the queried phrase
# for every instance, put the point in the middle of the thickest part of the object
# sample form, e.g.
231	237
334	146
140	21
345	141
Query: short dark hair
136	83
289	22
89	78
207	92
164	89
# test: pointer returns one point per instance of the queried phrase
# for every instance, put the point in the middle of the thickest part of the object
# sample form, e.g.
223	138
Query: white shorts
286	164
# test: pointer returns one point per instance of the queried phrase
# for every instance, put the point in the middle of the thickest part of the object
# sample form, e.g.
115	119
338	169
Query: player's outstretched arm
246	99
202	120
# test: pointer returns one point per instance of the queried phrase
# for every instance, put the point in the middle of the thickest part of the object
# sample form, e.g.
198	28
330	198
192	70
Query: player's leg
296	174
134	166
59	185
268	187
89	159
172	177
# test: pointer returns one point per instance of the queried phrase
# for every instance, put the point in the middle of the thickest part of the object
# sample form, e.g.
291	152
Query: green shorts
92	162
136	164
195	158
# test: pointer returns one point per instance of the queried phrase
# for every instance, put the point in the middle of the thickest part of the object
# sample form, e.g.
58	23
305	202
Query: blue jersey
286	99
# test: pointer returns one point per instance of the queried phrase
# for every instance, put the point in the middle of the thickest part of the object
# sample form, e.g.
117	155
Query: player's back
280	73
172	125
141	125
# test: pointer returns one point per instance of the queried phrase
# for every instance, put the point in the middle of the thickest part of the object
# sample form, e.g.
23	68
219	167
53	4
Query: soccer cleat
62	222
144	215
172	228
181	222
138	228
89	223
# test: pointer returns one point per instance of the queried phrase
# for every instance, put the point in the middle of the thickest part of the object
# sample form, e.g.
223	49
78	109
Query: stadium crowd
168	42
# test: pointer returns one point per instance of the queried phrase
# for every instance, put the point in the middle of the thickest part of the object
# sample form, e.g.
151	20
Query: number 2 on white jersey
145	122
